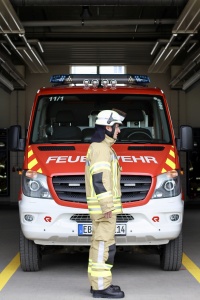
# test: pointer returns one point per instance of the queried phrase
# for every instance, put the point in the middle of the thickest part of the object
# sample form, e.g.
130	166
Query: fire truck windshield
69	118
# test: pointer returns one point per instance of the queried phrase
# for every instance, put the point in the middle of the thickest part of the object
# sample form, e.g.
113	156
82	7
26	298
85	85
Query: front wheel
171	254
30	254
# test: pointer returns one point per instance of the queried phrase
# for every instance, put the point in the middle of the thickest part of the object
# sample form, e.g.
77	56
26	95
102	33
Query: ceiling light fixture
37	43
183	44
9	40
6	82
170	51
191	81
191	47
25	40
40	47
7	24
28	55
163	64
187	68
166	47
188	21
12	72
33	56
11	43
154	48
34	53
8	51
9	20
33	60
195	59
166	55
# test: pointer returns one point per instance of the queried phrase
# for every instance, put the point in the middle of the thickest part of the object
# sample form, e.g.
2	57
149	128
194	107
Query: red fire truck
52	202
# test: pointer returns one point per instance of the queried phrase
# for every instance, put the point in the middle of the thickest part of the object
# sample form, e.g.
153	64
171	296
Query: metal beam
98	2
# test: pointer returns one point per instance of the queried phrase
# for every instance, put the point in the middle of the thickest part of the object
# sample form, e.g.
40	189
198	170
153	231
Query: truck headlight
168	185
35	185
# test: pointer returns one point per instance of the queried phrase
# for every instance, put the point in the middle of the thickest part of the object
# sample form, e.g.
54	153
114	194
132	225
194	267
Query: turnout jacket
102	179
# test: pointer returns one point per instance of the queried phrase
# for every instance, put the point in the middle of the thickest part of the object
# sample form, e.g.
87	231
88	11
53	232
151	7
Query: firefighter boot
116	287
109	292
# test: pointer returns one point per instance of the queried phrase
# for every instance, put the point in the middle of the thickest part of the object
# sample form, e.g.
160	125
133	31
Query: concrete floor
64	276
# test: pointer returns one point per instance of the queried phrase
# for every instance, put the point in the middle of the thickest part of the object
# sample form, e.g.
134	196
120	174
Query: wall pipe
98	22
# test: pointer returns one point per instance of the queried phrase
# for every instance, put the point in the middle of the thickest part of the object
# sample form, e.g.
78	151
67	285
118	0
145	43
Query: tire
30	254
171	254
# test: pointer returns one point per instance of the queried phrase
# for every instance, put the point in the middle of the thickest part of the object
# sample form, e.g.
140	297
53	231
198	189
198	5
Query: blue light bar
58	78
141	78
80	78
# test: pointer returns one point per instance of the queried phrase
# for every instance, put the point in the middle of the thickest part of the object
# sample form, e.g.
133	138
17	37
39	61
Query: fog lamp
158	194
174	217
45	195
28	218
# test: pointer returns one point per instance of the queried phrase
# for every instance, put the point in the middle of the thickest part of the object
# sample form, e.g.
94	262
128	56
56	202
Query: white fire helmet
109	118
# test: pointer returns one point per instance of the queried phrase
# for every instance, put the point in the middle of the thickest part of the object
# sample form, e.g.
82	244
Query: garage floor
64	276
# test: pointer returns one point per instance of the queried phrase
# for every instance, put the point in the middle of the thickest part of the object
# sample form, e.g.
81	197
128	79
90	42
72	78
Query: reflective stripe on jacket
102	178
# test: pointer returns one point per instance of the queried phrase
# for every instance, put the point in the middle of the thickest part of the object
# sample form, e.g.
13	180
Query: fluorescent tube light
9	20
33	60
191	81
162	64
188	21
8	51
6	82
40	46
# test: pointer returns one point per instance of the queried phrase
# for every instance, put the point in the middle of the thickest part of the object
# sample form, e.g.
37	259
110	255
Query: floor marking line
191	267
9	270
12	267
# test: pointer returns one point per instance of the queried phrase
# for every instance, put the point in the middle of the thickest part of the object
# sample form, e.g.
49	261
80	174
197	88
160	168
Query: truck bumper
47	223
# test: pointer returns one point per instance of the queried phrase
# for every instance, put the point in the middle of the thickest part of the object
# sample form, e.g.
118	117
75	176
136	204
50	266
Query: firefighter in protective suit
102	180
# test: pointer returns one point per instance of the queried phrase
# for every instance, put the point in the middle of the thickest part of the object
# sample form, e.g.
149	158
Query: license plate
86	229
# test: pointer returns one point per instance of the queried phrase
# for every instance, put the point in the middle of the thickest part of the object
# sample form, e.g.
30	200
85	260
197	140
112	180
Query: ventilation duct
99	22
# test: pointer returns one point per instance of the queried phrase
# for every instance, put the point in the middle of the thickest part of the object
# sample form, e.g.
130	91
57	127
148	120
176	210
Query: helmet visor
113	120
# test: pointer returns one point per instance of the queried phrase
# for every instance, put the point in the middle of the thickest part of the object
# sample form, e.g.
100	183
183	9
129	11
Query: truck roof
118	90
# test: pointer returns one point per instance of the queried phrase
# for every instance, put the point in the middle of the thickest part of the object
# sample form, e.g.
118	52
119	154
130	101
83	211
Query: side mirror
15	142
185	142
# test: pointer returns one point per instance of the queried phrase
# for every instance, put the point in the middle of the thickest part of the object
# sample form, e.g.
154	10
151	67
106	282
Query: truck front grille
85	218
72	188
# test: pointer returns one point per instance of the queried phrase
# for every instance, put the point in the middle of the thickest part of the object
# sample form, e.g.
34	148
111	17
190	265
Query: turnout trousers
102	252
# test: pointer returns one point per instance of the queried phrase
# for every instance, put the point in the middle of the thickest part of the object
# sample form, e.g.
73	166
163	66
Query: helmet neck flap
111	133
100	132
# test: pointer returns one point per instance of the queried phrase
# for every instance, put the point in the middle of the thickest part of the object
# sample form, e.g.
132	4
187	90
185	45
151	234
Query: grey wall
16	108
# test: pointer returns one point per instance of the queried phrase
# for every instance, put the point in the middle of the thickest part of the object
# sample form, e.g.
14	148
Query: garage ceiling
157	33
